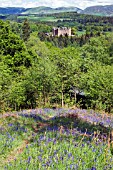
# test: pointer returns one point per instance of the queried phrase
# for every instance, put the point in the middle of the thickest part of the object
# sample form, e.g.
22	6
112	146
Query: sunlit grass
36	18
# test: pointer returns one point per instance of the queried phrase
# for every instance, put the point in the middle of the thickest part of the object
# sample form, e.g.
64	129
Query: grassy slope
57	144
48	10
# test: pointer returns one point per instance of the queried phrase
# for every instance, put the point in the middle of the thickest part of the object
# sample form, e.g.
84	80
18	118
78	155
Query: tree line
35	73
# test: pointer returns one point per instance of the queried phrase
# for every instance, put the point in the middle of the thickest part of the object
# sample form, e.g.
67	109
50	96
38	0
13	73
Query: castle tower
61	31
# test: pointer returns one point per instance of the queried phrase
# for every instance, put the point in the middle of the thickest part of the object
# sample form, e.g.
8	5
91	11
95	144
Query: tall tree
68	64
5	82
26	30
97	83
97	49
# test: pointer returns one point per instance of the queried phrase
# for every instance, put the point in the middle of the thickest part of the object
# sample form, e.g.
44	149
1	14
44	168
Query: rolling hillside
106	10
37	10
11	10
48	10
99	10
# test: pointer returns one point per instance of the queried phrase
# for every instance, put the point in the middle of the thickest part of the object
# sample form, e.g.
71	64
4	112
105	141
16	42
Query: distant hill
11	10
37	10
106	10
48	10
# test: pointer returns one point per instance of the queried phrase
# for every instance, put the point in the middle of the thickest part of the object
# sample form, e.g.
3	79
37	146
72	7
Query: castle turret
61	31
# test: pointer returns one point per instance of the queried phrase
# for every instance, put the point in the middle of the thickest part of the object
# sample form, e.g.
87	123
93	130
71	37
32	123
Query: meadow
55	139
38	18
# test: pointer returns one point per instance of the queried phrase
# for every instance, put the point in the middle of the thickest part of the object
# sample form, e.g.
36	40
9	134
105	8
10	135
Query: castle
61	31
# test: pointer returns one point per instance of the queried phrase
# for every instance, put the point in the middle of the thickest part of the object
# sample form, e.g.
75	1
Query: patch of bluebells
53	148
54	151
91	116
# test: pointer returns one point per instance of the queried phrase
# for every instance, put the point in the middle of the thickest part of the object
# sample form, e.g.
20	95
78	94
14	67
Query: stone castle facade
61	31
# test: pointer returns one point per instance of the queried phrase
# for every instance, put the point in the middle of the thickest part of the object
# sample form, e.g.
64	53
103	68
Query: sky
53	3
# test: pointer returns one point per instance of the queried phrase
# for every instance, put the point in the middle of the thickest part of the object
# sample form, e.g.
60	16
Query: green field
80	33
36	18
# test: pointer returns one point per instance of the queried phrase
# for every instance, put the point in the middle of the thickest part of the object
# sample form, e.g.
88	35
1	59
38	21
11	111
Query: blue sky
53	3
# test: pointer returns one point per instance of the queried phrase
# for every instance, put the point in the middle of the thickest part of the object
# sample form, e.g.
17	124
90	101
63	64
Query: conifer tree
26	30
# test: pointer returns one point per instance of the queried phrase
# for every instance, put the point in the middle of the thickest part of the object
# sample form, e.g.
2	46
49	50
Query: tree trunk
75	98
15	106
62	96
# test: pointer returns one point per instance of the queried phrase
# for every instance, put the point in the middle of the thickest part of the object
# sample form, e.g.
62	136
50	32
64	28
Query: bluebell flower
71	166
93	168
29	160
10	124
69	155
40	158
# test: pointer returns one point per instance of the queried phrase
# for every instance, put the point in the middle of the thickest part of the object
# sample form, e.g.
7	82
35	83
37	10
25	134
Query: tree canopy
37	73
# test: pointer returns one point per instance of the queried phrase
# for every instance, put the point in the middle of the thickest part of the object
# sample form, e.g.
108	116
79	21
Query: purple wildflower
93	168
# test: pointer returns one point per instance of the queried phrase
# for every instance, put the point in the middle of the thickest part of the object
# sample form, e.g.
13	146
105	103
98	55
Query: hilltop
106	10
11	10
37	10
48	10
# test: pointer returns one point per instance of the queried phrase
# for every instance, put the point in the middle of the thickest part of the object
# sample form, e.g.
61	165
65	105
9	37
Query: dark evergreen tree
26	30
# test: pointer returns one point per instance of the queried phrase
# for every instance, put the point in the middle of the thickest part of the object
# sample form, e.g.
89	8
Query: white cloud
54	3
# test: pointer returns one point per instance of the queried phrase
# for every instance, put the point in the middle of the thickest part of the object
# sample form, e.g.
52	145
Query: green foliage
36	73
16	94
5	81
12	47
98	84
98	50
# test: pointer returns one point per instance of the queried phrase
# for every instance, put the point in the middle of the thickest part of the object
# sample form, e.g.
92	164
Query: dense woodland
44	71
